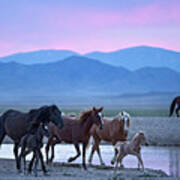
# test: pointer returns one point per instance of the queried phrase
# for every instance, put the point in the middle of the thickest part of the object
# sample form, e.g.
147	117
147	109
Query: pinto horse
75	131
175	102
114	130
16	124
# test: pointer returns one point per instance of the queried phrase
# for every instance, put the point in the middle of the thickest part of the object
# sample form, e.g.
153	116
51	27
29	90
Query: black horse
176	101
16	124
33	142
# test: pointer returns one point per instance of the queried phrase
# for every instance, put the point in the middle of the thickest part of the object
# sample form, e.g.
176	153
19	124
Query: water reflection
174	162
166	159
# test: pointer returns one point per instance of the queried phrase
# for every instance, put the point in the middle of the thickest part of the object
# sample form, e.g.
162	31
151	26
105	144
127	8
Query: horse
33	142
133	147
16	124
75	131
176	101
114	130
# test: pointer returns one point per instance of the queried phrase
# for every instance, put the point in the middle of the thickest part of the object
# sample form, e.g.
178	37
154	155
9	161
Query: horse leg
36	162
24	154
138	155
115	155
118	160
42	162
99	153
76	145
177	111
54	142
16	155
84	156
52	152
2	130
92	153
2	135
20	156
47	148
31	164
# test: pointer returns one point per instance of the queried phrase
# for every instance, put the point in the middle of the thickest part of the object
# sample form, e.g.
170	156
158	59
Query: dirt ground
75	171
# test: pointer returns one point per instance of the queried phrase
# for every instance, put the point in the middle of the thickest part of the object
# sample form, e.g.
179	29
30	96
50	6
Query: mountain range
131	58
77	75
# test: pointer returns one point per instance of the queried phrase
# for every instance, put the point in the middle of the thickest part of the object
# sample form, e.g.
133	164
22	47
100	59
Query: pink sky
85	26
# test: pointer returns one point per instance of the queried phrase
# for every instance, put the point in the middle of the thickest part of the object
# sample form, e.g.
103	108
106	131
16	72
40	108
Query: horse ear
141	132
100	109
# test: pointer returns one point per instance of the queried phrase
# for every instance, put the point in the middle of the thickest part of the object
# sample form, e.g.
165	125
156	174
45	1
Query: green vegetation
108	111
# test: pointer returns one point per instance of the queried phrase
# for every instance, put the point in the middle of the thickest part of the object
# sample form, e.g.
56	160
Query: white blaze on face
46	127
126	118
101	117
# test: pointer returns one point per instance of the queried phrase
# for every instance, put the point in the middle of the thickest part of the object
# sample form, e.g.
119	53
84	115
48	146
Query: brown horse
16	124
75	131
176	101
114	130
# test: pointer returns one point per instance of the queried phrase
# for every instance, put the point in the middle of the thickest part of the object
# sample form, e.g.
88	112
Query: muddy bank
74	171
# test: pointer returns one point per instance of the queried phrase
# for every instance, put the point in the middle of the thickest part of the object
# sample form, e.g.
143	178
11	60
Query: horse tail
2	129
172	106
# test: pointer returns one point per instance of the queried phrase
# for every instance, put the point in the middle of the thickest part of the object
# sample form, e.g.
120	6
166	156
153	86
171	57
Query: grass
108	111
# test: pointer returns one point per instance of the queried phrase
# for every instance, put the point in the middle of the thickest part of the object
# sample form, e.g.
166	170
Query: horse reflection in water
174	162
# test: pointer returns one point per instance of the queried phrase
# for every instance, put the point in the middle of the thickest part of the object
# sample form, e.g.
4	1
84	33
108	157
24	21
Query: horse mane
122	114
84	115
137	135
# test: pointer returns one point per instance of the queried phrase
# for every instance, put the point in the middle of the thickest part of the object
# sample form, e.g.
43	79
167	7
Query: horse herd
27	131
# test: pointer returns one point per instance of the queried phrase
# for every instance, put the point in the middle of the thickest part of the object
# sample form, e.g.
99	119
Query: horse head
98	116
124	118
47	114
140	137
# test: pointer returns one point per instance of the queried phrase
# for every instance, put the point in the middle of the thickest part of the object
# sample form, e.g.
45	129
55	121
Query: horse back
66	133
112	130
15	124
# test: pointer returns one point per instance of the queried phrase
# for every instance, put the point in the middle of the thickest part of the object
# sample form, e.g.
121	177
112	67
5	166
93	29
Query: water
163	158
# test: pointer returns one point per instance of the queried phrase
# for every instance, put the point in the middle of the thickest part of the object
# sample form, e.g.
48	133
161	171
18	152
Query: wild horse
75	131
175	102
114	130
16	124
33	142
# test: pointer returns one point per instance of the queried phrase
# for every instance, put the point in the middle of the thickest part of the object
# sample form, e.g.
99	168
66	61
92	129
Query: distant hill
130	58
83	76
35	57
139	57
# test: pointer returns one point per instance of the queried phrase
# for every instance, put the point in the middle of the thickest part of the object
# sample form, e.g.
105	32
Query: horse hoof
70	159
46	174
19	171
121	166
112	162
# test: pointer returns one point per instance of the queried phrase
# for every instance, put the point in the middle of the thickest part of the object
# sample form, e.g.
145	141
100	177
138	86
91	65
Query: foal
132	147
33	142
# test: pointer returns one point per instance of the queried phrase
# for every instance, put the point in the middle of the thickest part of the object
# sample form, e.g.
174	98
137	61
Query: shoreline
68	171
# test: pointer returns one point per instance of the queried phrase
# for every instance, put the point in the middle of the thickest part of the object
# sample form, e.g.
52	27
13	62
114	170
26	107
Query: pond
163	158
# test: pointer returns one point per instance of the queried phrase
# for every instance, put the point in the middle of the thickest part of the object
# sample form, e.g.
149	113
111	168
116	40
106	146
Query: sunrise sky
88	25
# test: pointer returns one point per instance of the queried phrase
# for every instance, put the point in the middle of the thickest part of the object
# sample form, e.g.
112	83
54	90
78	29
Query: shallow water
163	158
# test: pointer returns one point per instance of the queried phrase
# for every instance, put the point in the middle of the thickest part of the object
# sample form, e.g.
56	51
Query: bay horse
132	147
75	131
16	124
175	102
114	130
